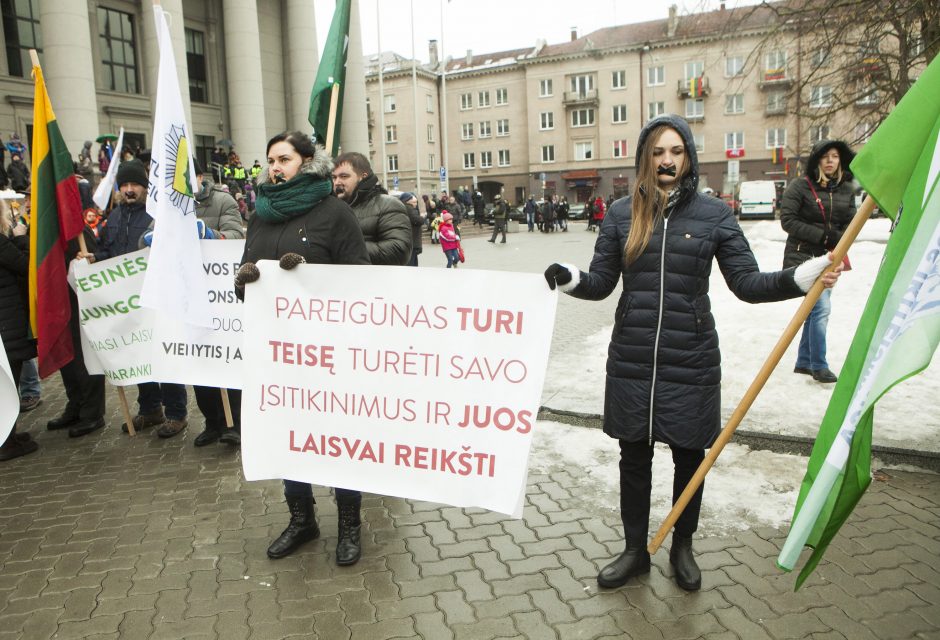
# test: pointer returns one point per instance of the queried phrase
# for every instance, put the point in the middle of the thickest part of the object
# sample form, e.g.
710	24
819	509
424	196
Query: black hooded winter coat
664	366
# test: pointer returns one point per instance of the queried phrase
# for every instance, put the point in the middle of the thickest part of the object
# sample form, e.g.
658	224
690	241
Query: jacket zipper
659	324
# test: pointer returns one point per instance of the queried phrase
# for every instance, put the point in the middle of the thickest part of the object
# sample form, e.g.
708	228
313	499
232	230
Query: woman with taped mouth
297	220
663	367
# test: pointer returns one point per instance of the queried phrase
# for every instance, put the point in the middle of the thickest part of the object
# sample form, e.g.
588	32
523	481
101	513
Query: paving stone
465	548
587	627
533	627
405	607
455	608
518	585
473	585
357	607
403	628
486	629
431	625
503	606
330	625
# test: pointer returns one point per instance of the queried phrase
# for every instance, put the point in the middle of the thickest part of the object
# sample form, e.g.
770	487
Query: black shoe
824	375
15	447
231	436
301	528
348	546
803	370
491	241
208	436
85	427
635	560
62	422
688	575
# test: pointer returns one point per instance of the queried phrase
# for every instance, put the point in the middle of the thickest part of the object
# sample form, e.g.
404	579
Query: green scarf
281	202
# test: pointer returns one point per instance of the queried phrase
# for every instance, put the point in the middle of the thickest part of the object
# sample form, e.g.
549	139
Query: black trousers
209	401
85	392
636	483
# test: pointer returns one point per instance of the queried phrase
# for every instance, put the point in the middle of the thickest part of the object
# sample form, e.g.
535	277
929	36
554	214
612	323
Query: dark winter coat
219	211
14	309
806	225
478	204
663	367
122	233
18	174
417	227
384	223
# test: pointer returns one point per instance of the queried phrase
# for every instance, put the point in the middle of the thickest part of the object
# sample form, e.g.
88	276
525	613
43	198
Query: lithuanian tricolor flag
55	218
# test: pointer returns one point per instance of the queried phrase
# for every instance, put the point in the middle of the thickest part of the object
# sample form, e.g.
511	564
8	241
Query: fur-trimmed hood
320	165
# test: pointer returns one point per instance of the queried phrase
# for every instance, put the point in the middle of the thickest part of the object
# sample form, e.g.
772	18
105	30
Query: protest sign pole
227	407
334	104
126	411
770	364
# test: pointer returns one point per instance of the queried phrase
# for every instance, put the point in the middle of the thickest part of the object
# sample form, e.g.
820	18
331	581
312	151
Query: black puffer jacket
14	314
800	215
384	223
663	365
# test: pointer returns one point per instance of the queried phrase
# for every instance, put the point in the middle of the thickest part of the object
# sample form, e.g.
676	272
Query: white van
758	199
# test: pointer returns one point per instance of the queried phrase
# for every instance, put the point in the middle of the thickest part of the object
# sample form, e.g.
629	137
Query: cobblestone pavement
108	536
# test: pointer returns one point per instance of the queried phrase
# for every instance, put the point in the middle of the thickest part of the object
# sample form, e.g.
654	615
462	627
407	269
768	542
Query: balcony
581	98
775	79
775	109
867	67
693	88
868	101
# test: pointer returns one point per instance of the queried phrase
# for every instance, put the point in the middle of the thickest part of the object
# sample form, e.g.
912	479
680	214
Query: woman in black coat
815	211
663	368
14	315
297	219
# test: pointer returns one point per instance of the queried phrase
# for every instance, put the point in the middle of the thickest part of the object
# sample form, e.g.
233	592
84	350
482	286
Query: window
820	96
818	133
545	88
118	51
504	157
582	84
694	69
486	159
546	120
502	127
863	131
429	103
819	58
483	99
655	76
485	130
620	113
390	103
656	109
775	63
620	148
618	80
582	117
694	109
776	138
584	150
734	103
196	65
430	133
22	33
699	139
868	95
548	153
391	133
432	163
734	140
393	163
466	101
776	102
466	131
734	66
468	162
502	96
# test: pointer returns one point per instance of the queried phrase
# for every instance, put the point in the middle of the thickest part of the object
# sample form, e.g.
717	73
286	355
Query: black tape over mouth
668	171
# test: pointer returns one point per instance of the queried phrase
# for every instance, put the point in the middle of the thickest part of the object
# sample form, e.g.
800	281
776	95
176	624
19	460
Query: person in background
500	218
18	173
815	212
410	201
479	208
561	213
450	241
531	211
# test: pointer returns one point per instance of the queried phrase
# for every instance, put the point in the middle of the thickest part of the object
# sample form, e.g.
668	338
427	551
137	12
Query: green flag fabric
332	71
899	330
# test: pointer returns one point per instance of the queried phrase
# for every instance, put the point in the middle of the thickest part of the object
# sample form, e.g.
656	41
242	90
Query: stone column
69	70
354	135
301	29
174	20
243	77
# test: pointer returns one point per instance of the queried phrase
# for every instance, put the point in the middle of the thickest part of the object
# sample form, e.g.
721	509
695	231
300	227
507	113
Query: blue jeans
530	220
29	379
453	257
812	351
151	395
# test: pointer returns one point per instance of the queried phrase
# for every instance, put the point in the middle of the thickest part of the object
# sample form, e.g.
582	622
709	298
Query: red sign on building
734	153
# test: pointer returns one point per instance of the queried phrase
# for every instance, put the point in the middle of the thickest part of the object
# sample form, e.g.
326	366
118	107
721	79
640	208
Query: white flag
175	283
103	192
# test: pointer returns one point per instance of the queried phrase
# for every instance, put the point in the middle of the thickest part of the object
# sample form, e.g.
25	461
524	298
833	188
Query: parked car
758	199
576	211
515	213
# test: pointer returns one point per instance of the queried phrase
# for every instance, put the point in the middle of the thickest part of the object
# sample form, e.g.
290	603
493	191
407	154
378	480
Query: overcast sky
496	25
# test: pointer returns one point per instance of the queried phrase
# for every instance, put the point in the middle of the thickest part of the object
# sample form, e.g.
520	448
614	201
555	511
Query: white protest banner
186	354
9	396
117	329
419	383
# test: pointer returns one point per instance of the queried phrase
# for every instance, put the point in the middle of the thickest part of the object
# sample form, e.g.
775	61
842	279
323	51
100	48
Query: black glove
248	272
557	274
831	239
291	260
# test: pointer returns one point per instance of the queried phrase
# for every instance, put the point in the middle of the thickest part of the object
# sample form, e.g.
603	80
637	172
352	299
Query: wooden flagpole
227	407
769	365
331	129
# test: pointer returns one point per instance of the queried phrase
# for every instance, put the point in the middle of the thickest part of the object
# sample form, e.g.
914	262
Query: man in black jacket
410	201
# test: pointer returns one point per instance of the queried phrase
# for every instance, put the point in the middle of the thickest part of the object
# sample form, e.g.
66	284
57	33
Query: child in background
449	239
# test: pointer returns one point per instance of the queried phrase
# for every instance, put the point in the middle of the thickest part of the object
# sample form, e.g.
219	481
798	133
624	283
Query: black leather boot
348	547
688	575
301	528
635	560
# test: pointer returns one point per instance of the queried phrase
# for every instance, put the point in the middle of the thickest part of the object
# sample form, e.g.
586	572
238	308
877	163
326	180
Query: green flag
332	72
900	327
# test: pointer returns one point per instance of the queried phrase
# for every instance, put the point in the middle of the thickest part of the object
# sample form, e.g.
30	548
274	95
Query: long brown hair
649	199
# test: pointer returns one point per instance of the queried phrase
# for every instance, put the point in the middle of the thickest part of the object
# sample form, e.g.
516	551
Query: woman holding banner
297	220
663	369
